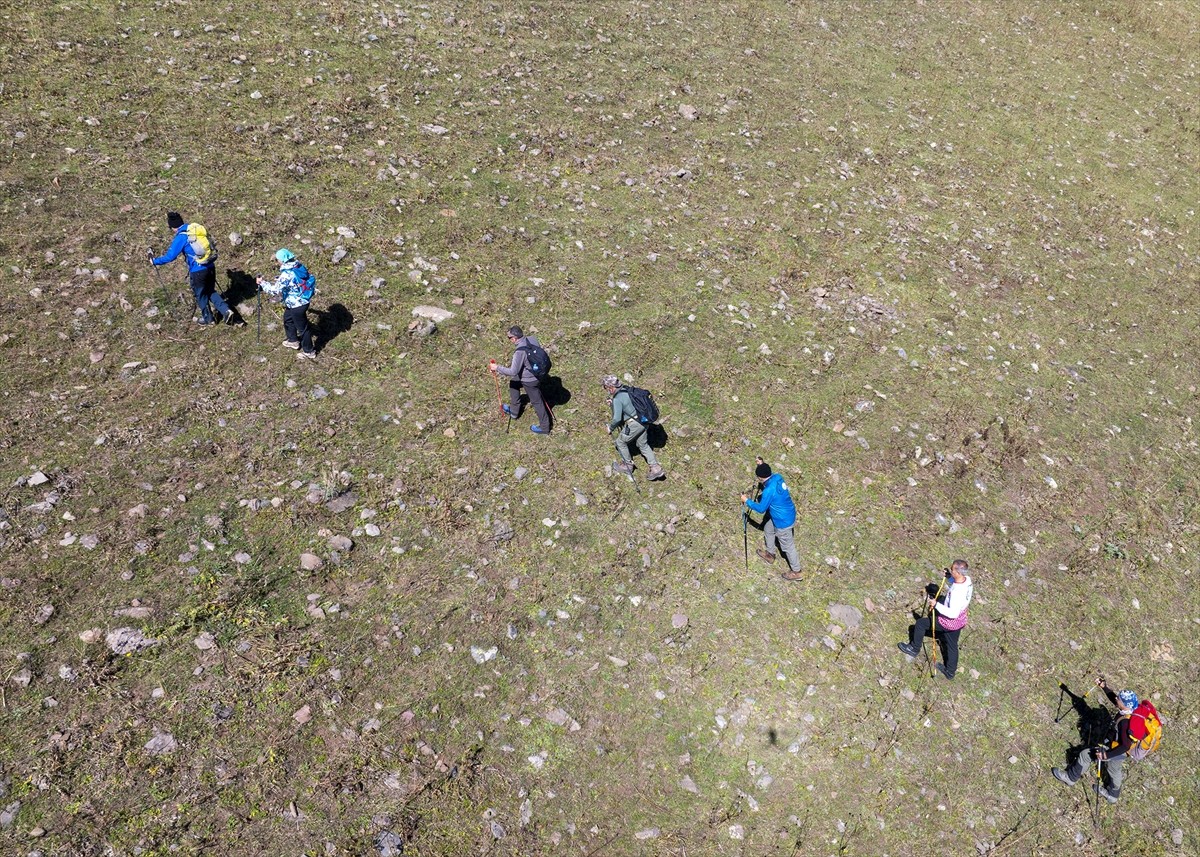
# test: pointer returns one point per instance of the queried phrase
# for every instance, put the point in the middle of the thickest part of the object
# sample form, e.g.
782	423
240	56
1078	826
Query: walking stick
162	285
746	536
933	630
499	402
259	313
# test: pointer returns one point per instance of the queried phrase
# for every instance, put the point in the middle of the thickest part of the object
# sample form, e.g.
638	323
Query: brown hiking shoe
767	557
657	472
792	575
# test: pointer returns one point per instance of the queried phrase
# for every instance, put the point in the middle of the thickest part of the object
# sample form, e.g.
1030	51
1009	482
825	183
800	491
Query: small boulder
435	314
311	562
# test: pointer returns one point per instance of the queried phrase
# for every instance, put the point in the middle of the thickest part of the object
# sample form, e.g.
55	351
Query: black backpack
643	404
537	360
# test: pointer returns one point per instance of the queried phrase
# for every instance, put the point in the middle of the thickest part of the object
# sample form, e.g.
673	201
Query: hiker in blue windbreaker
295	287
191	239
779	518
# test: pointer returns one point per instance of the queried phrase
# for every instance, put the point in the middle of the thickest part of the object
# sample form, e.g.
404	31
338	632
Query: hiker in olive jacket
625	418
520	374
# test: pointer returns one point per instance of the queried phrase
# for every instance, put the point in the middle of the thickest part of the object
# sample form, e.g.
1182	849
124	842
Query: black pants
947	640
204	290
534	392
295	325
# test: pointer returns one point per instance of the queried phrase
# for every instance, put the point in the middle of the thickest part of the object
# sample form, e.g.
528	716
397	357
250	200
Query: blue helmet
1128	699
284	255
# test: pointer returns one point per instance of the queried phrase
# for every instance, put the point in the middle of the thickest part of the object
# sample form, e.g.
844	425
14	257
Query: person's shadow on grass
330	322
1094	724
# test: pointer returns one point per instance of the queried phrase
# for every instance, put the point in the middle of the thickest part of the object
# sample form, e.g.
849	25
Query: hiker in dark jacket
1113	754
779	517
519	374
201	259
624	417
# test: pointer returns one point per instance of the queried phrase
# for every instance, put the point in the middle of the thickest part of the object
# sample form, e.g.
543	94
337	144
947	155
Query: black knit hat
763	470
174	219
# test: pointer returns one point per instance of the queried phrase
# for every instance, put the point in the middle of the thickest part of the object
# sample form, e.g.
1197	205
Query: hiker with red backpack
633	412
530	366
1136	734
191	239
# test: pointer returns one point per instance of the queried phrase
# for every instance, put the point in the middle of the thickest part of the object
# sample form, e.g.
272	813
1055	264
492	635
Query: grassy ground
935	262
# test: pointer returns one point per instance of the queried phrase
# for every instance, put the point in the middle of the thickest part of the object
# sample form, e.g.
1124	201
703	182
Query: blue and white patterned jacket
294	285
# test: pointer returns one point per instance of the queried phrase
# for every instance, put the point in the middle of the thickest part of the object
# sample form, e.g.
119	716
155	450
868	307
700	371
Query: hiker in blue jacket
779	518
295	287
201	258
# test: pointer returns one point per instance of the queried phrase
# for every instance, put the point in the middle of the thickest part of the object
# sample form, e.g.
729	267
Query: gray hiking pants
634	431
787	542
536	400
1087	763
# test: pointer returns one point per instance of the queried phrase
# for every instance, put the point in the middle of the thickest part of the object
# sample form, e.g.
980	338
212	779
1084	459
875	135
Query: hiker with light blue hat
1111	755
295	288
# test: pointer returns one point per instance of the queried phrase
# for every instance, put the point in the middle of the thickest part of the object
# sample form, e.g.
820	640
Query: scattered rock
372	530
648	833
161	744
241	558
139	511
37	478
688	785
341	543
679	620
9	814
846	615
235	239
580	498
342	502
520	473
560	718
481	656
346	232
311	562
127	641
43	614
205	641
22	677
389	844
435	130
338	255
303	715
421	328
688	112
435	314
92	635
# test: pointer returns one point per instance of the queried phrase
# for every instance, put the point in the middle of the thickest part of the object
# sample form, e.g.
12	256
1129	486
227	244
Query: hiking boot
287	343
1061	776
1105	793
625	467
204	323
657	472
792	575
307	355
539	430
766	557
230	319
942	669
910	650
508	410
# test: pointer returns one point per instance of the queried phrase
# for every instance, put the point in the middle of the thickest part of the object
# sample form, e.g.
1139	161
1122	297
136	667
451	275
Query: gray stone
688	112
9	814
846	615
520	473
435	314
235	239
126	641
389	844
341	543
161	744
311	562
342	502
421	328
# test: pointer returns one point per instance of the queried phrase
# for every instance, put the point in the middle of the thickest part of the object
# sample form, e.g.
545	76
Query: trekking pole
499	402
746	536
259	313
933	630
162	285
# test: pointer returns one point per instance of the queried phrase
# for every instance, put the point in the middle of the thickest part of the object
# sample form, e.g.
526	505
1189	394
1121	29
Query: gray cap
610	381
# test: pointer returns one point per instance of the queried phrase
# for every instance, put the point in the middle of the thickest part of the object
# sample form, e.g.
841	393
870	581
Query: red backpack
1145	728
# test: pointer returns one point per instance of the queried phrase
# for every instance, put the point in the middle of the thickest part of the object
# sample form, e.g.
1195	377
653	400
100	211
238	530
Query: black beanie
763	470
174	220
